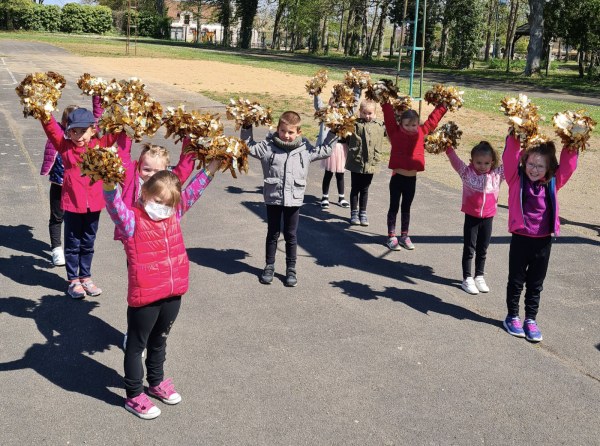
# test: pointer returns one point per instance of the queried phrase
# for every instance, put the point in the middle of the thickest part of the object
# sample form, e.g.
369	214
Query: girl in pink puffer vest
481	185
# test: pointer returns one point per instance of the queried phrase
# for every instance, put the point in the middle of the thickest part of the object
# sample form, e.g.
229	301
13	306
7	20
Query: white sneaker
58	256
481	285
469	286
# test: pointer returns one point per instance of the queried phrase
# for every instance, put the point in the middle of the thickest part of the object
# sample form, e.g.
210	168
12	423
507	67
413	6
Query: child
336	163
364	159
285	157
534	177
481	185
406	159
158	275
54	168
81	201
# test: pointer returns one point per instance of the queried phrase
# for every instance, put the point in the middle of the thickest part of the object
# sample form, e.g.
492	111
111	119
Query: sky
58	2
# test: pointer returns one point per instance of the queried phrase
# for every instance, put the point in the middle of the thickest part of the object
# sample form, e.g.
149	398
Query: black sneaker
290	277
267	275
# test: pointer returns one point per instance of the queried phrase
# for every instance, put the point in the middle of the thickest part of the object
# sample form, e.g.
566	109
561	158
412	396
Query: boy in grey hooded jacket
285	157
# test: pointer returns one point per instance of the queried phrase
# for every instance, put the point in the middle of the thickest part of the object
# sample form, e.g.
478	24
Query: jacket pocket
299	188
272	188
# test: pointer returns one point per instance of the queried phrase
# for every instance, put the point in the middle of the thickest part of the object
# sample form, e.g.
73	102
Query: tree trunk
365	25
341	34
247	11
580	63
354	49
325	35
160	7
393	41
381	28
488	35
536	37
559	49
368	52
349	27
276	40
512	24
443	45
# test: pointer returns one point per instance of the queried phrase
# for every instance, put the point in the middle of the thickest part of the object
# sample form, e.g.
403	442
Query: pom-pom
232	151
446	136
356	78
440	93
39	93
246	113
573	128
92	86
523	120
197	127
315	84
343	97
382	91
401	104
102	164
338	120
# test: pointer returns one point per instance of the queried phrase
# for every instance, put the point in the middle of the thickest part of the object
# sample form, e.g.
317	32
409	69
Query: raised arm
97	109
510	159
185	166
120	214
566	167
193	191
357	93
389	119
318	102
324	150
257	149
456	162
55	134
434	118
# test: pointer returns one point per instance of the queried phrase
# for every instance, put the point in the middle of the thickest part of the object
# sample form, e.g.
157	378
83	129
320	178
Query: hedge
148	24
40	18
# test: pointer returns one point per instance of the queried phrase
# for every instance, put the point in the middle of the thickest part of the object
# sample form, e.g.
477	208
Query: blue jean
80	235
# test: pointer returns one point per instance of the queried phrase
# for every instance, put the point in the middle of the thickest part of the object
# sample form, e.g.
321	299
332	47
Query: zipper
521	200
284	173
484	193
169	258
271	160
301	161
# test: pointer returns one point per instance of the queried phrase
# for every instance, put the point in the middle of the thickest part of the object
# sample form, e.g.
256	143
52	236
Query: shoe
58	256
469	286
354	220
90	288
165	392
325	202
267	275
75	290
405	242
290	277
532	332
142	407
392	243
343	203
362	216
514	327
481	285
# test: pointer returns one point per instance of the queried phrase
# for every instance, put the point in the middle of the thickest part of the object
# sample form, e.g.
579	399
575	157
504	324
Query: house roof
174	9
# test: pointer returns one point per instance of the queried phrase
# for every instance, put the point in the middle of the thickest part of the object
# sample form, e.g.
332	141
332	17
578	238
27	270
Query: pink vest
158	263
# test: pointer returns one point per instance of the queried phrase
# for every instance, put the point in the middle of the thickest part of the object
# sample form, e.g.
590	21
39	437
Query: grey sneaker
405	242
392	243
354	220
362	216
290	277
267	275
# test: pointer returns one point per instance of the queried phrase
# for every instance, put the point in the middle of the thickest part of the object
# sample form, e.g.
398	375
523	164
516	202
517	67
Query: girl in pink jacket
481	185
534	177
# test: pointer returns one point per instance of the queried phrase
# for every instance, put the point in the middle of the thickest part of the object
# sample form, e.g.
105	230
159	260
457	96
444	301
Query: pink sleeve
510	159
192	192
566	167
186	163
456	162
434	118
97	106
55	134
389	119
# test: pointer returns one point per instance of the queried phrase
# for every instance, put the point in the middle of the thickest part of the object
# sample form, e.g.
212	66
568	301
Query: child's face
164	197
288	132
150	165
368	113
81	135
410	125
482	163
536	167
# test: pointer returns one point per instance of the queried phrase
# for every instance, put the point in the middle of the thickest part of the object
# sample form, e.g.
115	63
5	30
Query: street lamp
500	2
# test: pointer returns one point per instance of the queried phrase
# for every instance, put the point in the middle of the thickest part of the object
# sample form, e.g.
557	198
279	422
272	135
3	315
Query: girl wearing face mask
157	278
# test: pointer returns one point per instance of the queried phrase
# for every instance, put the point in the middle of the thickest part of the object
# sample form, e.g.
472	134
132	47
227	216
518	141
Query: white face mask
157	212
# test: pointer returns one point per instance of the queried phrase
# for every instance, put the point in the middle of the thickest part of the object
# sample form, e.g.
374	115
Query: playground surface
372	348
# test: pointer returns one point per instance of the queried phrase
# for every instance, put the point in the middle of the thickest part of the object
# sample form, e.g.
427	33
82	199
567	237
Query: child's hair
290	118
484	148
164	180
546	150
67	111
410	115
153	151
367	103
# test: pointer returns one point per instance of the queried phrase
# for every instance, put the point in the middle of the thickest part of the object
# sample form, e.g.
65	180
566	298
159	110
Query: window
186	19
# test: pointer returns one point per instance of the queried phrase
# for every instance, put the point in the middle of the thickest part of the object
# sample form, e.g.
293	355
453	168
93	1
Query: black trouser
56	215
477	236
291	216
527	264
339	177
148	328
360	187
400	187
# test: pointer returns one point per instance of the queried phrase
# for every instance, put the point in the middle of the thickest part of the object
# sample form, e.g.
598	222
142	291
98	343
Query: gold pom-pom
343	97
401	104
92	86
523	119
197	127
338	120
574	129
382	91
231	151
356	78
315	84
39	93
440	93
446	136
246	113
102	163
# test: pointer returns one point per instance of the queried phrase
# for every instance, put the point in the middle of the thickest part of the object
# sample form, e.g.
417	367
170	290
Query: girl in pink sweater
481	186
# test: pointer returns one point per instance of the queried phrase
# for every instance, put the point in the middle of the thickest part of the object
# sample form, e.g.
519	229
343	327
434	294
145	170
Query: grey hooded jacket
285	171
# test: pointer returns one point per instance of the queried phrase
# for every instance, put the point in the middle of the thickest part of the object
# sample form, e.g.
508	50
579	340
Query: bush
149	25
516	65
40	18
98	19
72	18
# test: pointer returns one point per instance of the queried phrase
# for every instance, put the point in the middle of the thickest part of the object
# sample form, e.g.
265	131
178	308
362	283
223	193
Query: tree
536	37
280	8
246	10
464	20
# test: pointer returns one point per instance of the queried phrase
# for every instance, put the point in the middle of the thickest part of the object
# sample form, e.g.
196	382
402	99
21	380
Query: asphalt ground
372	348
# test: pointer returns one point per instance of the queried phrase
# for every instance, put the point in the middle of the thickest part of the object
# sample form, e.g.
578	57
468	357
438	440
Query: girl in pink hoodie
481	186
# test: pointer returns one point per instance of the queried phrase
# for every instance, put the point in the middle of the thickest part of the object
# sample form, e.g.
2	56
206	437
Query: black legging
339	176
400	187
291	215
360	183
477	235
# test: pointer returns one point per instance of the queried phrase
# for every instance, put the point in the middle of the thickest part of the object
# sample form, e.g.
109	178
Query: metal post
412	64
422	56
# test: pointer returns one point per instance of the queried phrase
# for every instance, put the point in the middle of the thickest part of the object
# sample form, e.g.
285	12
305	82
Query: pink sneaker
165	392
75	290
90	288
142	407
